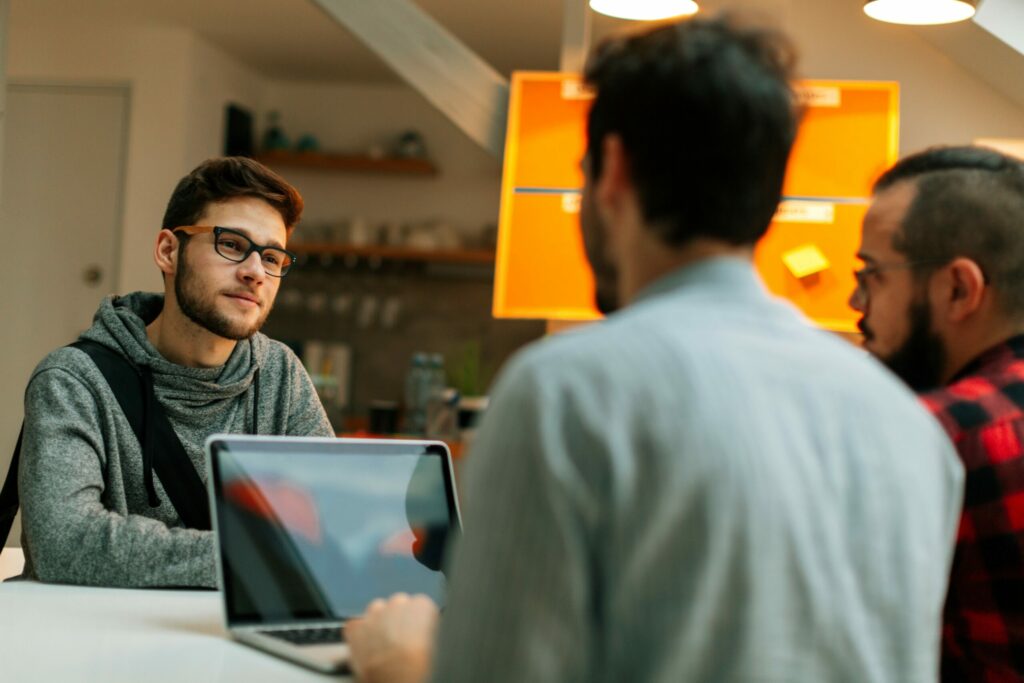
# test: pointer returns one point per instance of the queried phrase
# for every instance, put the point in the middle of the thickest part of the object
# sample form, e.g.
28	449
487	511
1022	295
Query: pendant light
920	12
645	10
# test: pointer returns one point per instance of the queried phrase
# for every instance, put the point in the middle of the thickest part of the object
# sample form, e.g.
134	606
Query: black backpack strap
125	381
122	383
9	493
162	451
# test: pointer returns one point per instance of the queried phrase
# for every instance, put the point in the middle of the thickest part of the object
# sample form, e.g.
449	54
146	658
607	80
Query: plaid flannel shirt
982	409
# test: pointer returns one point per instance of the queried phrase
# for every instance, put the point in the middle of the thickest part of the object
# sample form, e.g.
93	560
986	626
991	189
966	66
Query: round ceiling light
920	12
645	10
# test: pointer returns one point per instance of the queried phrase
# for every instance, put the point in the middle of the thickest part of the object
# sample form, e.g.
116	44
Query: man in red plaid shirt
942	298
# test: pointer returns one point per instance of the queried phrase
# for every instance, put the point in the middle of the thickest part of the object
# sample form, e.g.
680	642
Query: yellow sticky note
805	260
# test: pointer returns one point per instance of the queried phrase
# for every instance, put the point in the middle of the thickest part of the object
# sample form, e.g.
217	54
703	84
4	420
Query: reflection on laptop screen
308	532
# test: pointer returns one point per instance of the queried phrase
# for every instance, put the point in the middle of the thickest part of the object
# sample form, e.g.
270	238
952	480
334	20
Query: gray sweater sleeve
71	533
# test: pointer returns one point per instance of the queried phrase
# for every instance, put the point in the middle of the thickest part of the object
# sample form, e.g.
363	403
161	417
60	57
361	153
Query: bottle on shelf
442	404
274	139
416	394
438	381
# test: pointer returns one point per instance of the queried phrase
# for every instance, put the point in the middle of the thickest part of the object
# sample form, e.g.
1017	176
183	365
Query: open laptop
310	530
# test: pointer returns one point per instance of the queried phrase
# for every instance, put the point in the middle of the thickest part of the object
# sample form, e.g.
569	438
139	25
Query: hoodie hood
120	323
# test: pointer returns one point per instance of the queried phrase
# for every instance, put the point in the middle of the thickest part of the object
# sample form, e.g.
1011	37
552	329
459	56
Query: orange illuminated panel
822	295
551	131
543	257
848	136
541	270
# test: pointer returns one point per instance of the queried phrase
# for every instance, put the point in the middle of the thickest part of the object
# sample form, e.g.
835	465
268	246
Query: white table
71	633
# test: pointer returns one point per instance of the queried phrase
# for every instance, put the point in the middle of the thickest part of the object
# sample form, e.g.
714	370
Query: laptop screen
313	529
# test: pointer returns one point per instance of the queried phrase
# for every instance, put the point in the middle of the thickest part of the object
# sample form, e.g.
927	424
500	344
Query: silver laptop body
309	530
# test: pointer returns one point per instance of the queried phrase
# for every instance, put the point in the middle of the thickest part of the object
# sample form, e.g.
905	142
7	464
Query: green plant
465	371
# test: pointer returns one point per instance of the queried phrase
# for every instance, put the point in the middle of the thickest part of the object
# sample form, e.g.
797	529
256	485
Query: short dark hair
945	158
968	202
707	117
224	178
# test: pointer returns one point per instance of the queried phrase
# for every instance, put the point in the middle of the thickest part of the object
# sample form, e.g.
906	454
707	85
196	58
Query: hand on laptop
394	641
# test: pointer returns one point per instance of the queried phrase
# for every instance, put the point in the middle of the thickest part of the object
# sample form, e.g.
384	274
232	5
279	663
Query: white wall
215	80
153	63
356	117
942	102
179	84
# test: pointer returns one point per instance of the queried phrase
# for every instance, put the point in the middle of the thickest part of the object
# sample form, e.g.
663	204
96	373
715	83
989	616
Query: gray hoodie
86	518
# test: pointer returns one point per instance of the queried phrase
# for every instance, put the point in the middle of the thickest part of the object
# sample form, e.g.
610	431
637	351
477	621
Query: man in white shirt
703	487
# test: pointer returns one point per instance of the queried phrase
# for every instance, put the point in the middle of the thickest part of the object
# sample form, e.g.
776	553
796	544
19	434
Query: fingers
393	635
351	628
380	604
423	600
353	632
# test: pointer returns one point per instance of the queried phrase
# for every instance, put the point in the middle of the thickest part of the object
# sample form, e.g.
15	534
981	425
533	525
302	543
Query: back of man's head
968	202
225	178
706	115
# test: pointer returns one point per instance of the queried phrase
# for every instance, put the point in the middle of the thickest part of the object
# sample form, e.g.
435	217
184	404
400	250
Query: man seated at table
94	512
942	297
703	487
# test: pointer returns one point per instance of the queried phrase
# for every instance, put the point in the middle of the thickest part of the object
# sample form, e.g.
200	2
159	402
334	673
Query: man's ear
616	176
961	288
165	253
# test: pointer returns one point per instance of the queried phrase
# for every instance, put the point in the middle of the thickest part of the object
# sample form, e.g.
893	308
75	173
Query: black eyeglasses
235	246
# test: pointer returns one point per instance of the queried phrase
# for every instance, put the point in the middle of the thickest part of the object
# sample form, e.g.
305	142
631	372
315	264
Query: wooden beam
433	61
575	35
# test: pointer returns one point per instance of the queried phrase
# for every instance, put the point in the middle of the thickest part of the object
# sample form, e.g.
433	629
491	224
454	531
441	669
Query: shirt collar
732	273
1002	353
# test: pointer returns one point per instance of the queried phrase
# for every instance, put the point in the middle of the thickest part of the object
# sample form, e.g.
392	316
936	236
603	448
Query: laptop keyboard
308	636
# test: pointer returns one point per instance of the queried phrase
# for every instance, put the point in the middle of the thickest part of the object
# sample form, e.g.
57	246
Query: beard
606	295
606	275
920	359
199	305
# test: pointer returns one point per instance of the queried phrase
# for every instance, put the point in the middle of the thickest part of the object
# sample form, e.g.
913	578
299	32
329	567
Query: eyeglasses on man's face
236	246
863	275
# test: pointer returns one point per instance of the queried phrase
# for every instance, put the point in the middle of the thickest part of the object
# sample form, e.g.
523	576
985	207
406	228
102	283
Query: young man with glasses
942	298
93	511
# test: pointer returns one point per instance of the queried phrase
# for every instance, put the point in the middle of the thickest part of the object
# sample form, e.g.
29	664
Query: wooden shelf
484	256
347	162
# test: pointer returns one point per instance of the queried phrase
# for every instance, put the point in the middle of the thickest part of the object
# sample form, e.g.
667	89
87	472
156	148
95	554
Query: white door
60	224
